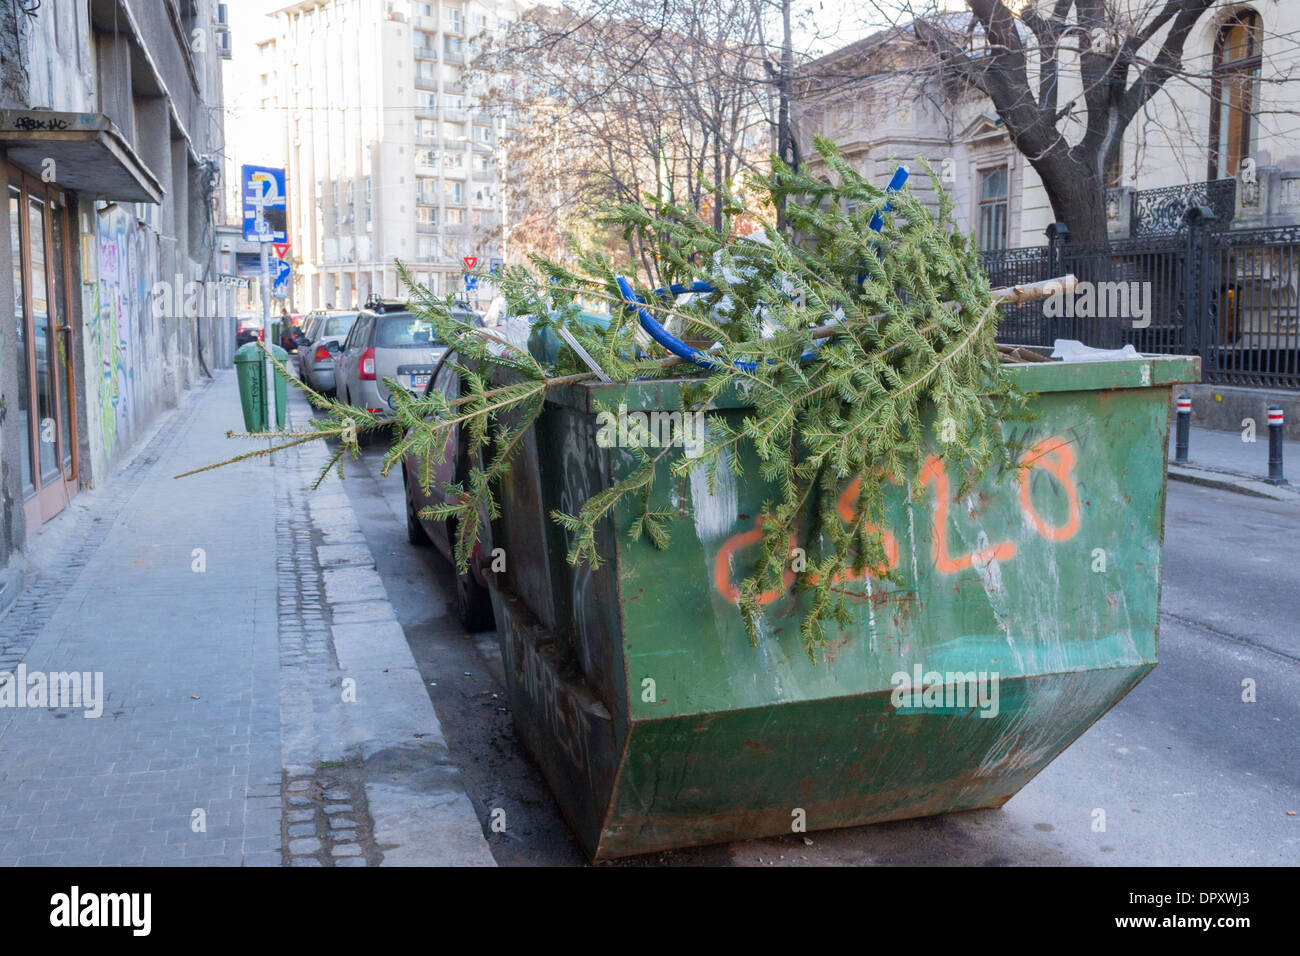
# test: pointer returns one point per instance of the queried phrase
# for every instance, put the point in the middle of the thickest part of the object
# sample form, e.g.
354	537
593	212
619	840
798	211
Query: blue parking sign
280	282
265	204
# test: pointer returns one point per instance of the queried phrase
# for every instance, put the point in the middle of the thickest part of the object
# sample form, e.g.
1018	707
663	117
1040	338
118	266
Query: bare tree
621	100
1067	78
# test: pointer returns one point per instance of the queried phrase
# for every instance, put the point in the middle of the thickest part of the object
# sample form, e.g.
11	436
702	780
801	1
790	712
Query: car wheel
473	602
415	532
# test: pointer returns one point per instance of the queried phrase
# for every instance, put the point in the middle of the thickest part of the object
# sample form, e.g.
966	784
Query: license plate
419	381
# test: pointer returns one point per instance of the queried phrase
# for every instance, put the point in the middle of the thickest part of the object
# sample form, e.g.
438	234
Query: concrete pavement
1228	460
259	703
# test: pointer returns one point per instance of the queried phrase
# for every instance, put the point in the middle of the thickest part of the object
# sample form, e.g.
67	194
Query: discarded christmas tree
842	339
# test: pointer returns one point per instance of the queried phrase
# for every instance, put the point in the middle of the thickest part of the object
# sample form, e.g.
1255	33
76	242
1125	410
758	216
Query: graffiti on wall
128	261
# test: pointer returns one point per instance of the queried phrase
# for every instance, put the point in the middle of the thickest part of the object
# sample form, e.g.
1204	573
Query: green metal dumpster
658	725
250	370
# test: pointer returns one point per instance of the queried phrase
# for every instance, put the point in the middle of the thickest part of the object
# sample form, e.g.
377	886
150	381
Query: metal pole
1275	446
1184	429
268	380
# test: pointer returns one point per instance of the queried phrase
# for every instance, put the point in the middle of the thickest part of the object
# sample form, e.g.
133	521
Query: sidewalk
1221	459
251	667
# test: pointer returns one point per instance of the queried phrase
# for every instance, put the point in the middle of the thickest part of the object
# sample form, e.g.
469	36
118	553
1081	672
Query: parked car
324	333
473	604
387	341
291	335
247	329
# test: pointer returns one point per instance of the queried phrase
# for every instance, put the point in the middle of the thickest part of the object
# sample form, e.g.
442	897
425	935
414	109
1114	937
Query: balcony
453	86
426	228
426	83
423	139
455	116
484	175
1159	212
426	53
449	57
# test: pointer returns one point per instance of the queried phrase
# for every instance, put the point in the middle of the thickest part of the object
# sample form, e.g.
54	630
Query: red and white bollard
1275	446
1183	429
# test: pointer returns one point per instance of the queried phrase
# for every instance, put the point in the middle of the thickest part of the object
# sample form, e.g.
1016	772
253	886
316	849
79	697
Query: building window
1234	91
993	208
453	18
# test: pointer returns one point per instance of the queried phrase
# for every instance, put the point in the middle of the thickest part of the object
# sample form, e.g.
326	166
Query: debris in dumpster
862	337
843	338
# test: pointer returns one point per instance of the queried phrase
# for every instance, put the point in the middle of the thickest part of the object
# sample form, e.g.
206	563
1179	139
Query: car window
446	381
339	324
404	331
357	335
309	326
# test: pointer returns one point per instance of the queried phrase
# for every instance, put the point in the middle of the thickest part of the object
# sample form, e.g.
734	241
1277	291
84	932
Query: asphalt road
1186	772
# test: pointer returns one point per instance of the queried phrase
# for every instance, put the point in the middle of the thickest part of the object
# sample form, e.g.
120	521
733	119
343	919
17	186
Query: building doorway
46	412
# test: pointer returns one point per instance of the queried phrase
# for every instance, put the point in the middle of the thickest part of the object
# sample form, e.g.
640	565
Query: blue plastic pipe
680	348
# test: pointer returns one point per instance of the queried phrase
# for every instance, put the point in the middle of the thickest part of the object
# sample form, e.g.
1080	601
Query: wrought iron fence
1228	296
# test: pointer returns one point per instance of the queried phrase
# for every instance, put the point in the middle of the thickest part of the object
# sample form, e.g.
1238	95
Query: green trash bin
250	370
658	725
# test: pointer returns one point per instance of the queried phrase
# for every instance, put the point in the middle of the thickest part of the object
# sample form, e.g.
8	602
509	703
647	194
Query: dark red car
473	605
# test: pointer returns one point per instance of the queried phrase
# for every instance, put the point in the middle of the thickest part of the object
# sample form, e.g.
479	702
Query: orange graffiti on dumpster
1053	455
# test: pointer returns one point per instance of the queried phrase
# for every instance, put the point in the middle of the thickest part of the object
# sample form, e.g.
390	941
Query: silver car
387	341
326	332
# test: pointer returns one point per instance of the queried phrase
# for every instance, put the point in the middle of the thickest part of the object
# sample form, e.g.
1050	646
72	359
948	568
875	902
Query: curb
421	812
1241	484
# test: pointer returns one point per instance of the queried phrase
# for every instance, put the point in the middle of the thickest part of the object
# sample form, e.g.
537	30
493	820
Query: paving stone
339	808
346	849
302	829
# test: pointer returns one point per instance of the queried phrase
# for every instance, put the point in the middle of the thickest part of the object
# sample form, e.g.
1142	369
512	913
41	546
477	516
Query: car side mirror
334	346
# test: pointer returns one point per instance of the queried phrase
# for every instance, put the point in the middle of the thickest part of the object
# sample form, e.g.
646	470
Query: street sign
280	287
281	249
471	283
470	261
495	265
262	189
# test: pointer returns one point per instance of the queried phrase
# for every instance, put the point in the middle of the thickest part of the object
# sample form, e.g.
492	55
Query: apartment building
111	128
388	153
